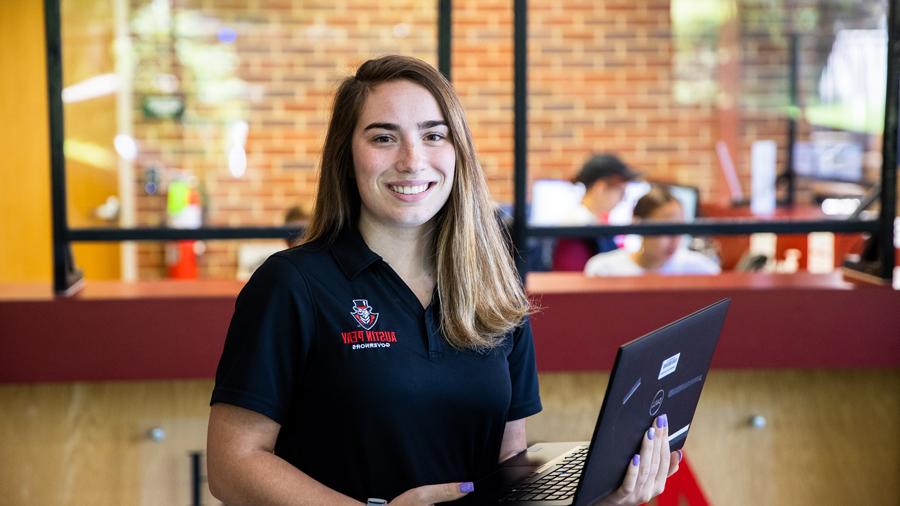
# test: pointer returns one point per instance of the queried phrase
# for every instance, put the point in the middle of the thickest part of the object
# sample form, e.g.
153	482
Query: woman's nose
411	157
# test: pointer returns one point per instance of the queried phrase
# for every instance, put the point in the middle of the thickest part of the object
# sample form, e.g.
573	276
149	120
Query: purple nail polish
650	432
636	460
662	421
680	455
467	487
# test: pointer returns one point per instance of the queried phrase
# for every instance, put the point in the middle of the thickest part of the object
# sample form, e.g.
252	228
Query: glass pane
186	260
196	113
741	109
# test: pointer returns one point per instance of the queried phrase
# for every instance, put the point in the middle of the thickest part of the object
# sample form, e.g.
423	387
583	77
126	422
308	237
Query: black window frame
67	279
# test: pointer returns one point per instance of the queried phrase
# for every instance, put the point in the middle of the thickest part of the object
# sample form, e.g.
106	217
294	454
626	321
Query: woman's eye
381	139
434	137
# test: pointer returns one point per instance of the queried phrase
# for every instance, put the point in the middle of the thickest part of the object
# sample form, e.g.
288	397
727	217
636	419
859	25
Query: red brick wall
290	55
600	79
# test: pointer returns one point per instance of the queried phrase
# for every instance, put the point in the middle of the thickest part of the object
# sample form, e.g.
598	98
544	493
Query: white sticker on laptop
669	365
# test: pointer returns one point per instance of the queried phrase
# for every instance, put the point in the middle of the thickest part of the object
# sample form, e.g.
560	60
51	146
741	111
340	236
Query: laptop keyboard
556	485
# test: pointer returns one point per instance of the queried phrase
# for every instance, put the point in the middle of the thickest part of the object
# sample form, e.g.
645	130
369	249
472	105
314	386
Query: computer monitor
831	156
553	200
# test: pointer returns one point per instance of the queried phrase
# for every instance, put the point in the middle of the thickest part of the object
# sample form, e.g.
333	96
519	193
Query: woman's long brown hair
480	292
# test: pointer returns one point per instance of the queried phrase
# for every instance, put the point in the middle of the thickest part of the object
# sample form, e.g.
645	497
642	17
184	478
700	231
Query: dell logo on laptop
657	403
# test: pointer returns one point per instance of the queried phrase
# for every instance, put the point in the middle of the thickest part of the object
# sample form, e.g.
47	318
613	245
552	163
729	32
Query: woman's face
661	247
403	159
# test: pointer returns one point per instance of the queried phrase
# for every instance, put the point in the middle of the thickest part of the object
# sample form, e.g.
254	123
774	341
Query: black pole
62	261
177	234
445	37
196	478
520	130
697	227
710	227
793	112
889	145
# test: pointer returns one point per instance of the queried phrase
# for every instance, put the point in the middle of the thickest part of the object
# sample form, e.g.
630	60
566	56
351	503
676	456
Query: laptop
661	372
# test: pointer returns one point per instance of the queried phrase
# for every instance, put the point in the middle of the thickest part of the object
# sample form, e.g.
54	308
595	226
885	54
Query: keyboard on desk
558	484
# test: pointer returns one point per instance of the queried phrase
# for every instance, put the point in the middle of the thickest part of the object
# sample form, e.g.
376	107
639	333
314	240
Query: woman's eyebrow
431	124
394	127
382	126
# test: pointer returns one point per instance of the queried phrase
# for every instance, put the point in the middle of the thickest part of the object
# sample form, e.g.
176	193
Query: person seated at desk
661	254
297	218
604	177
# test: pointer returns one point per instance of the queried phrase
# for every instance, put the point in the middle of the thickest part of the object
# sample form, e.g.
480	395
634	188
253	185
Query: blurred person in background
660	254
296	218
604	177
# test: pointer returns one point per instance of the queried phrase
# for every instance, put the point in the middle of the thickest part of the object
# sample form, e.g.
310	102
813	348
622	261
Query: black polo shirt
329	342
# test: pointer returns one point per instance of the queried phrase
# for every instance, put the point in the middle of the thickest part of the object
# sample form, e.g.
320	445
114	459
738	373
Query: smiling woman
401	307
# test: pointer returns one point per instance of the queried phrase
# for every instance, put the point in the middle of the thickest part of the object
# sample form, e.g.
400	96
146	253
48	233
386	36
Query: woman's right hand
647	471
431	494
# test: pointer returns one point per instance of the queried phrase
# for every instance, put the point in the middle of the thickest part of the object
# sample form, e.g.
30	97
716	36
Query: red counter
775	321
171	330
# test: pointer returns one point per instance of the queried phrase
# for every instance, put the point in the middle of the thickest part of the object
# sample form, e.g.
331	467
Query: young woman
389	355
660	254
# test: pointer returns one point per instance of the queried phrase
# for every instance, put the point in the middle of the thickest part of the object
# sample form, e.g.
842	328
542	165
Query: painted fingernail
467	487
636	460
662	421
650	432
680	455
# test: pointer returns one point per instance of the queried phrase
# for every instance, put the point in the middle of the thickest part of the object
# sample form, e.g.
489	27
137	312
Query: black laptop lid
661	372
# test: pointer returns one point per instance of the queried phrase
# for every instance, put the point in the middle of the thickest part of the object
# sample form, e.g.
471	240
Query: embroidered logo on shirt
362	313
367	338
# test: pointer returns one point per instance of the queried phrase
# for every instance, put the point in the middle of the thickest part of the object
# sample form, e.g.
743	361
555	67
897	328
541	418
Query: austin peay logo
367	338
362	313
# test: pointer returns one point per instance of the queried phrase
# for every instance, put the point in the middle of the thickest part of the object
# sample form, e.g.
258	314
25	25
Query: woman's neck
409	251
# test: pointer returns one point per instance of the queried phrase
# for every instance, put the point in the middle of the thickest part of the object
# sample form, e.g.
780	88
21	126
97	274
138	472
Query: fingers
430	494
659	438
674	461
648	449
647	471
664	455
631	476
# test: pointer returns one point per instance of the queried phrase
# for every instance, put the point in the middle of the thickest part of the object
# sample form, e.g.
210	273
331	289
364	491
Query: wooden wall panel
829	439
25	253
87	443
25	212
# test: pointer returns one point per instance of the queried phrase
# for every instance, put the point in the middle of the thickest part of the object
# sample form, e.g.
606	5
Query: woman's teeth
409	190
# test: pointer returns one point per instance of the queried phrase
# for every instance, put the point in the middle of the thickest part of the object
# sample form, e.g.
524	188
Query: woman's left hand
647	471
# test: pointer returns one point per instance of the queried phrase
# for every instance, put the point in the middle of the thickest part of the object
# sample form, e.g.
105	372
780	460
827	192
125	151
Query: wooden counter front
175	330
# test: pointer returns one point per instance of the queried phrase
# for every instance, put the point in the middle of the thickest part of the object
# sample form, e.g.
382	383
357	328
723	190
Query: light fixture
94	87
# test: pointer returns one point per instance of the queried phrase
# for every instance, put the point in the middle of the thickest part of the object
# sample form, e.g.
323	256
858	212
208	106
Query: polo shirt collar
352	253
